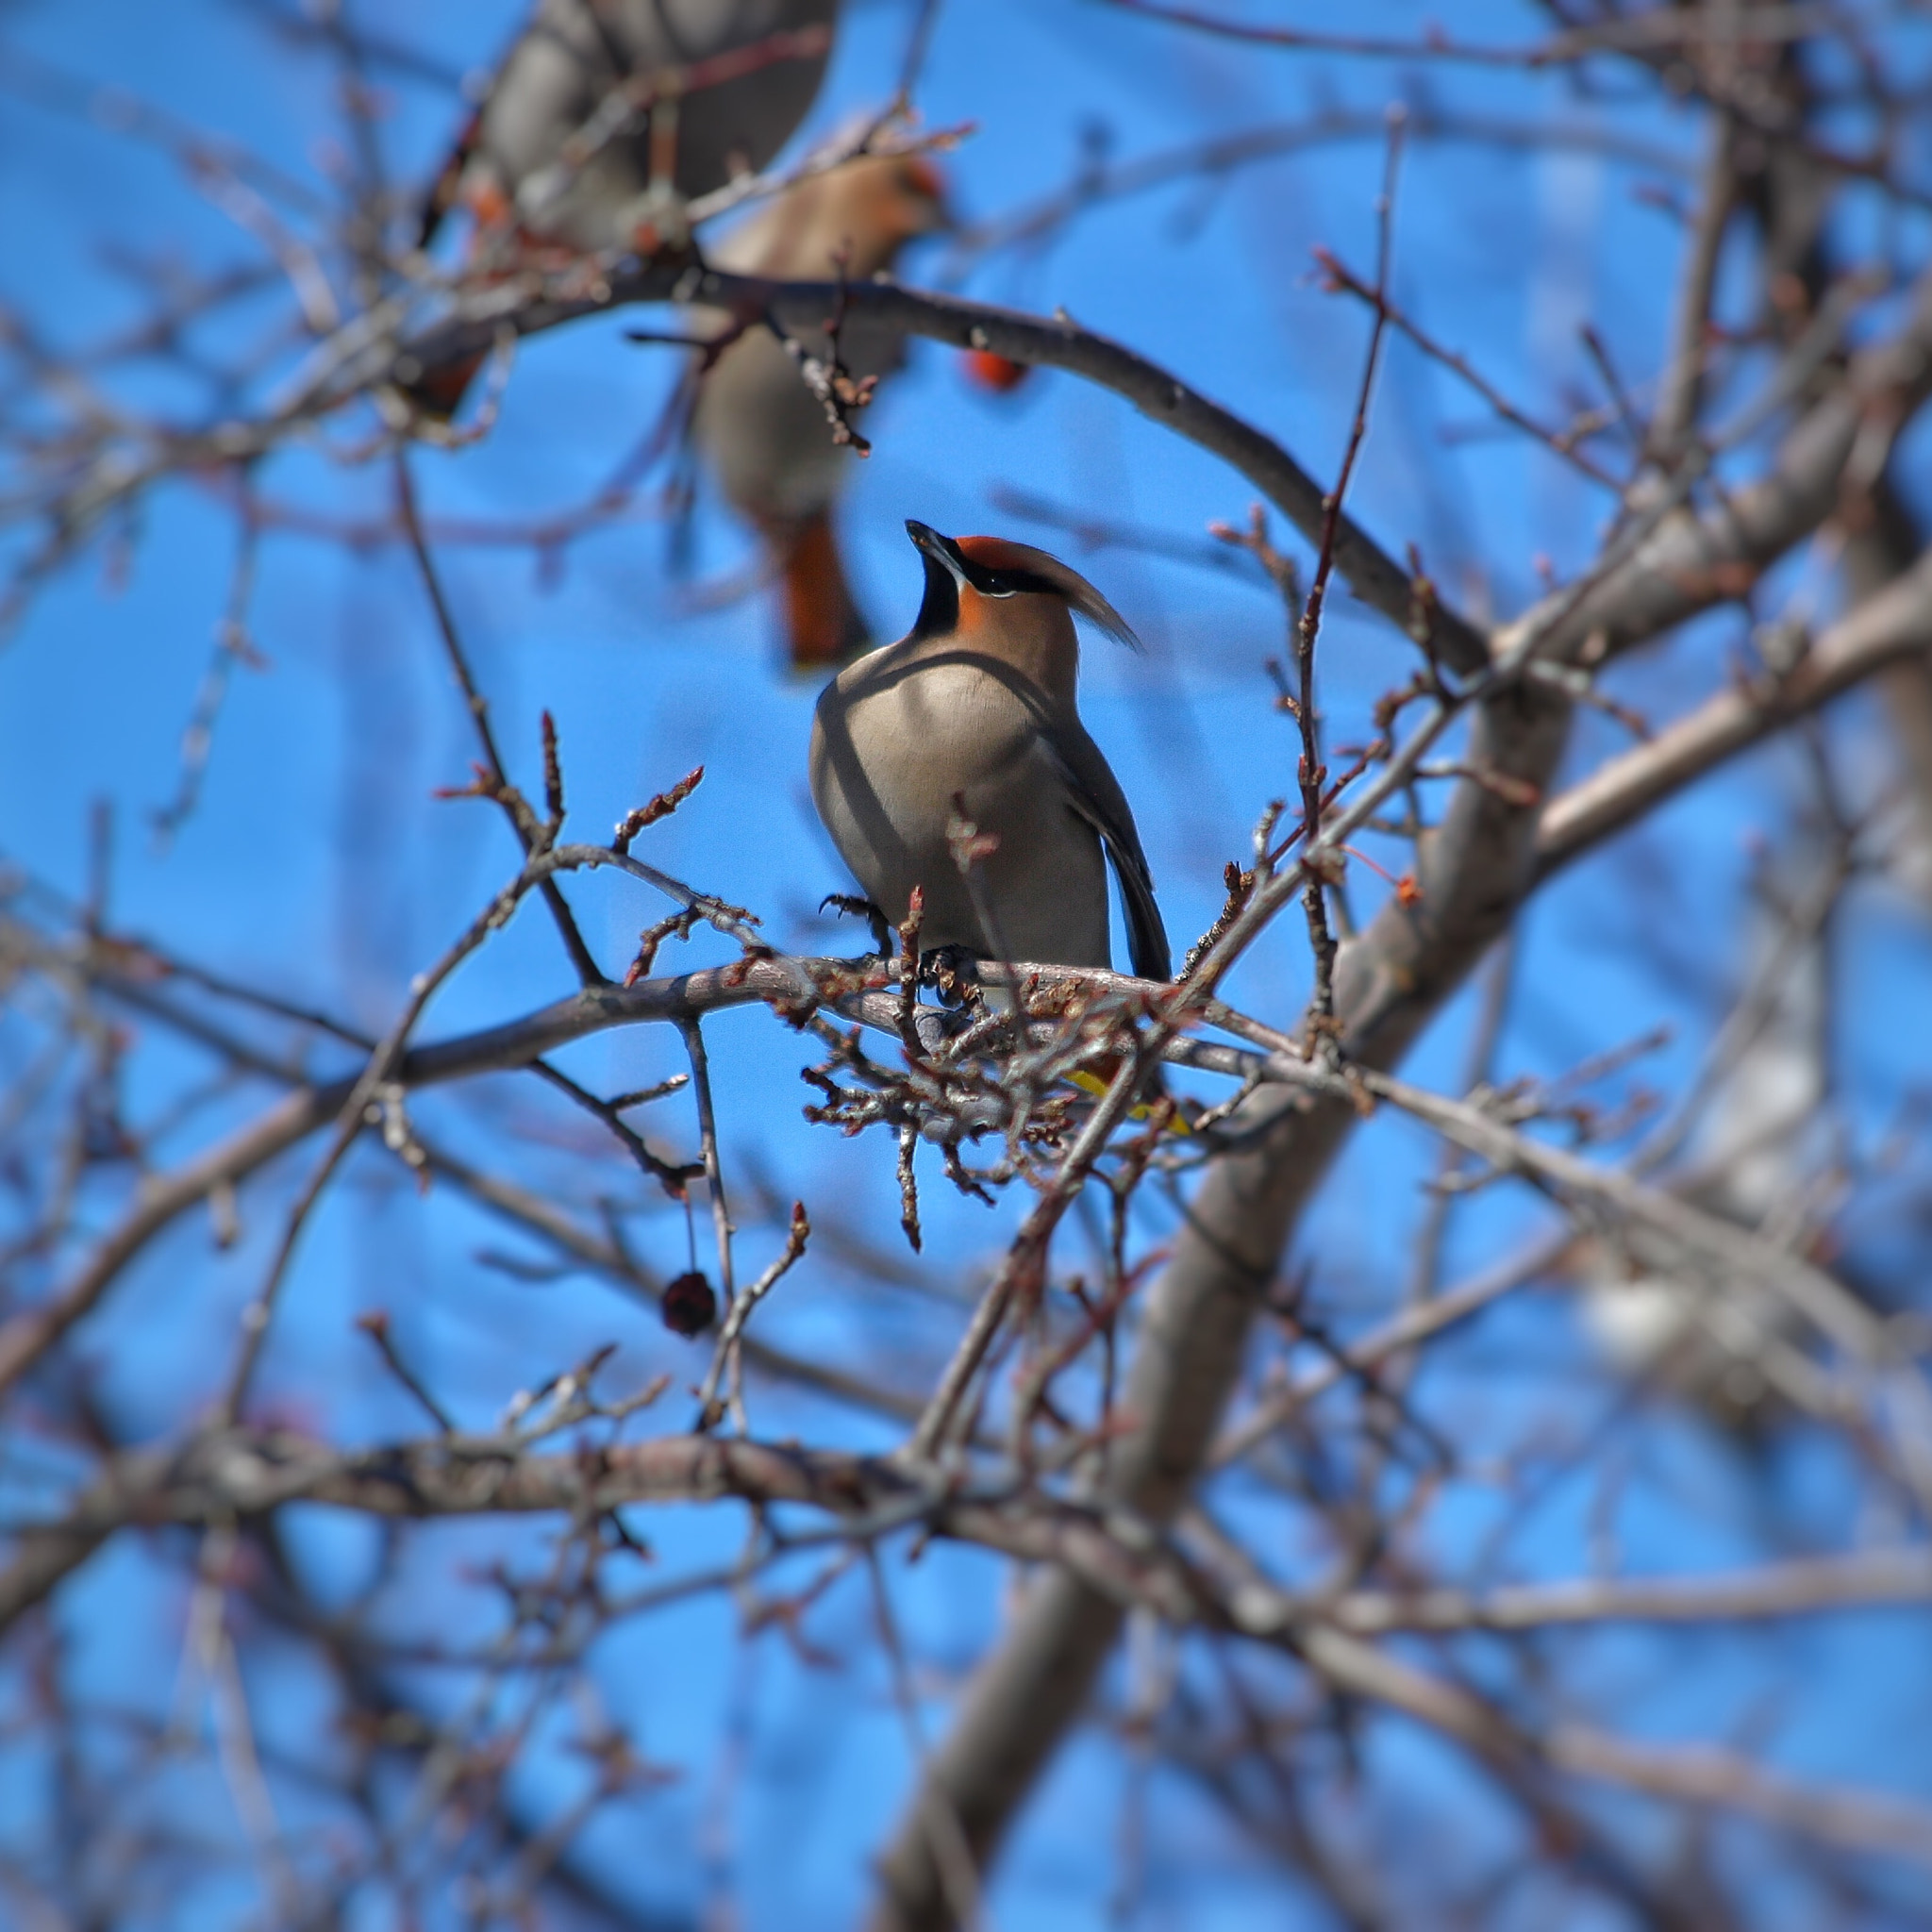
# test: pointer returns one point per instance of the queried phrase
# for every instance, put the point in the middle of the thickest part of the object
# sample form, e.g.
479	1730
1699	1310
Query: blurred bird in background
718	86
756	426
608	118
974	712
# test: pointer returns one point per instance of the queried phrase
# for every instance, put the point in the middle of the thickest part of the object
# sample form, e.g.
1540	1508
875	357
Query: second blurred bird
761	431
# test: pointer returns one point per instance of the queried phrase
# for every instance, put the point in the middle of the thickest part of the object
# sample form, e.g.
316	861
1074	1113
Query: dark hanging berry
691	1304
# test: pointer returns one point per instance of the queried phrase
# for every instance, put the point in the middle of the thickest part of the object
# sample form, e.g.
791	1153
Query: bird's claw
858	907
952	971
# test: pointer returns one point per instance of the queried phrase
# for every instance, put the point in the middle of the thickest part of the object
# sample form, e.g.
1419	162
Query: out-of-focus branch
1097	181
802	308
1684	563
1681	385
25	1337
1782	1590
1649	32
232	1474
1892	626
1863	1820
1691	45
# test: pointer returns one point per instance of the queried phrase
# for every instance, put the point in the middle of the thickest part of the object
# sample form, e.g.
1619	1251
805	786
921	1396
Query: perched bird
731	80
763	434
975	707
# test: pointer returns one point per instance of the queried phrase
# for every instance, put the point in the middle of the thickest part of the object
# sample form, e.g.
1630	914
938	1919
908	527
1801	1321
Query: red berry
992	371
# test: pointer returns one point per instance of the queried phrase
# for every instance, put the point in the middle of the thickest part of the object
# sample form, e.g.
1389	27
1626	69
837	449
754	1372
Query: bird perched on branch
773	444
971	717
607	116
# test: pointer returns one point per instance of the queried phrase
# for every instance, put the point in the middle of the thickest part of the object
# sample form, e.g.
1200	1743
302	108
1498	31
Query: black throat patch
938	611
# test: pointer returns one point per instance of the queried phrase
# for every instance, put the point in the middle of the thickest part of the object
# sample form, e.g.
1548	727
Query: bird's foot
953	971
844	903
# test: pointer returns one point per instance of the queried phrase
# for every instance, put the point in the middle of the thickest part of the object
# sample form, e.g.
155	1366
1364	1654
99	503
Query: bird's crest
999	567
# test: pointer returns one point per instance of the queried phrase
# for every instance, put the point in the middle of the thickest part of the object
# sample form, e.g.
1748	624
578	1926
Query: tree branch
803	308
1889	628
1473	871
1390	982
221	1477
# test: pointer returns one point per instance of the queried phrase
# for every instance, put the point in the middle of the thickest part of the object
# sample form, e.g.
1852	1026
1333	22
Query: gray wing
1096	794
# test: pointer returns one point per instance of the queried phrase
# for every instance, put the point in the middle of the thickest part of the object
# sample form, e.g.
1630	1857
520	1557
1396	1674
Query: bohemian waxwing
761	432
752	69
977	703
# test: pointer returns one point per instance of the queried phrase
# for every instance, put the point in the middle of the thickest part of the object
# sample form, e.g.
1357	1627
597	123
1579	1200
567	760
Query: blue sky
317	863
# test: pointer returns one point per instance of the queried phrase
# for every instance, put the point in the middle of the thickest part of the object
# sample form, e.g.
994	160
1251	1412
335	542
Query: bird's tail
823	624
1097	1082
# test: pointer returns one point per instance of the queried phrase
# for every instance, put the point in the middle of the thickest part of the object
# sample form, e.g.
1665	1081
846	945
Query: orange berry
996	373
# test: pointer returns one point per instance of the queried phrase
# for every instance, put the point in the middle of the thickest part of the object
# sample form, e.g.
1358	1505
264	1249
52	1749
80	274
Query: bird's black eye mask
1009	583
947	567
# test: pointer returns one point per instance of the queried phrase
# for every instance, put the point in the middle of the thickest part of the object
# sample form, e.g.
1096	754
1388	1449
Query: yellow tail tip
1093	1084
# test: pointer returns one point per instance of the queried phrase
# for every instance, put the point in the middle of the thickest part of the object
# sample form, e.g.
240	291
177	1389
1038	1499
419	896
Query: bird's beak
941	549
